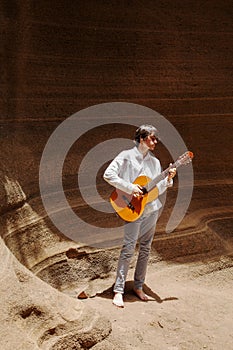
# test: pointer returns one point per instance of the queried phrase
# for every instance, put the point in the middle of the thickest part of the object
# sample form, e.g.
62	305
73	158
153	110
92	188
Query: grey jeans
141	230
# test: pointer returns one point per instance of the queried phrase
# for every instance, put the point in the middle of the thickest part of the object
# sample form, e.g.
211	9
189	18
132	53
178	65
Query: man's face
150	141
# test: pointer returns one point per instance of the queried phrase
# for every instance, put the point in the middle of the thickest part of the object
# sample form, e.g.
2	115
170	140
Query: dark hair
145	130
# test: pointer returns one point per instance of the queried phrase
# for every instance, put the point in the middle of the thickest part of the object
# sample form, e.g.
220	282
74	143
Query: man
121	174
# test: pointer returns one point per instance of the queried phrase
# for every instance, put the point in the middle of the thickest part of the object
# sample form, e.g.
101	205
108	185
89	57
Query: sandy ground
191	307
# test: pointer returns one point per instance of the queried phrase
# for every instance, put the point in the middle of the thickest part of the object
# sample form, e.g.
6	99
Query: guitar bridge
129	204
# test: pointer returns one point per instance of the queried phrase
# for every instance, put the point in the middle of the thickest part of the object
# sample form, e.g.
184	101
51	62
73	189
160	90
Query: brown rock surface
58	58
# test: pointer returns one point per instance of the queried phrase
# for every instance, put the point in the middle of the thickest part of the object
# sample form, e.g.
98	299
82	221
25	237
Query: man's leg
132	230
145	239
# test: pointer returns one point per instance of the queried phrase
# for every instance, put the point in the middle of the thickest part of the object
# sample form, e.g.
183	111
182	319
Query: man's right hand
137	190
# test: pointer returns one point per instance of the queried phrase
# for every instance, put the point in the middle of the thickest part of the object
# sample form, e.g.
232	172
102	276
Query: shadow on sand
130	296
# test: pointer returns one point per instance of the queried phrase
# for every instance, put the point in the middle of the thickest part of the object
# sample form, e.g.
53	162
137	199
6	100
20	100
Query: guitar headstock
185	158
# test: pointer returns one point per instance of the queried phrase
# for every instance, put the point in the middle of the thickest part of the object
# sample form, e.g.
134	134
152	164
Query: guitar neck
160	177
184	159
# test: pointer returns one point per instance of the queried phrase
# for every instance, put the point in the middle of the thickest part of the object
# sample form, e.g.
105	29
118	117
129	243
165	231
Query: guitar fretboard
165	173
158	178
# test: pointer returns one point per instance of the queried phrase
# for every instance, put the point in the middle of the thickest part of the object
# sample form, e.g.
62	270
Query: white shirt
128	165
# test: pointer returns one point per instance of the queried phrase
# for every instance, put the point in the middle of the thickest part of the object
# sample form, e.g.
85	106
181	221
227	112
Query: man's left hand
172	173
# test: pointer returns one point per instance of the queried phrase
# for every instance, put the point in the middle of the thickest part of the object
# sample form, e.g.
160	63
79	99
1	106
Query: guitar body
128	207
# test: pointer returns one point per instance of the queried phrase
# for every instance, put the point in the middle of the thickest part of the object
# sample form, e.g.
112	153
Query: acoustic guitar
130	208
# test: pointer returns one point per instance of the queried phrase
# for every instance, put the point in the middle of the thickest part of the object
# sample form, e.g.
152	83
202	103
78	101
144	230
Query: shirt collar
140	155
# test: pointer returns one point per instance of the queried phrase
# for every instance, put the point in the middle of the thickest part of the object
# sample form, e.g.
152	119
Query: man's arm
167	182
111	175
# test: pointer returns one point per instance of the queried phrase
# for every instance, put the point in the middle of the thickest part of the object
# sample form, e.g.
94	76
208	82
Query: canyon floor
190	307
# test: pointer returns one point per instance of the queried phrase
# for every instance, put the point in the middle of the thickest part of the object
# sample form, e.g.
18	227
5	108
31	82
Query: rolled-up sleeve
164	184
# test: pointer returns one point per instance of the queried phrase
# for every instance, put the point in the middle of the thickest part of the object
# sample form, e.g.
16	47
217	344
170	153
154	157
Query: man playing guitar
138	162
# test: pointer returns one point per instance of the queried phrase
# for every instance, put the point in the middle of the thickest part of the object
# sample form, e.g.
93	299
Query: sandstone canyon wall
58	58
